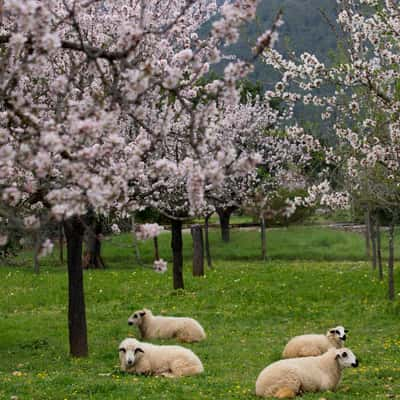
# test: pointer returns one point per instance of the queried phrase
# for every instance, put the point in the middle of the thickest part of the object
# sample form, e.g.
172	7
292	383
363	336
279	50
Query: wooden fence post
198	250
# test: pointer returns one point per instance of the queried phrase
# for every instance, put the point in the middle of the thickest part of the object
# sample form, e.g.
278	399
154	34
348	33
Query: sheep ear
142	313
332	331
139	350
346	331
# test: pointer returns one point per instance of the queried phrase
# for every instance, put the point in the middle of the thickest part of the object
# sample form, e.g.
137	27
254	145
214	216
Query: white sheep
169	361
315	345
158	327
293	376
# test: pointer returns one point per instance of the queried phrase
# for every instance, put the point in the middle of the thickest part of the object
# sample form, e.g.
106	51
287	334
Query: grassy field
315	279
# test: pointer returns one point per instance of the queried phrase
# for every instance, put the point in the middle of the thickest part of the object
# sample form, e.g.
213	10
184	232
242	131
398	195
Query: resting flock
310	363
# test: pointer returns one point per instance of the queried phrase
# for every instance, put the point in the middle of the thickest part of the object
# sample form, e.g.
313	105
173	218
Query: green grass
293	243
248	308
234	219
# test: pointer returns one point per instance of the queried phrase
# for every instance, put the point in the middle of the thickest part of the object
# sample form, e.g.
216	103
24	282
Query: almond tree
363	107
88	91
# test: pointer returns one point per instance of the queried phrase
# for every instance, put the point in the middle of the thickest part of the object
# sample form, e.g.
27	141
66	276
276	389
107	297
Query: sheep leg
143	367
183	336
288	388
285	393
168	375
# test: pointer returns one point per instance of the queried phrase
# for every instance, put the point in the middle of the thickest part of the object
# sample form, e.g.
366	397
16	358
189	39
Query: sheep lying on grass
288	378
169	361
315	345
158	327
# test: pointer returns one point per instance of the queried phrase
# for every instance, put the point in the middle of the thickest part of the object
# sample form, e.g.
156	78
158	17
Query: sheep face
346	358
129	351
338	332
137	317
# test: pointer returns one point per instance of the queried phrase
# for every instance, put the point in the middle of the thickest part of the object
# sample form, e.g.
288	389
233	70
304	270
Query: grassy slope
249	310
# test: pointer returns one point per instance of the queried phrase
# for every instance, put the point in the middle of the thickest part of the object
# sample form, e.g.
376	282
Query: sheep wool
149	359
158	327
315	345
293	376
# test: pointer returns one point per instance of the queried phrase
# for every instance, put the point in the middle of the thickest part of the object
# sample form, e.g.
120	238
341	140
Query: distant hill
305	29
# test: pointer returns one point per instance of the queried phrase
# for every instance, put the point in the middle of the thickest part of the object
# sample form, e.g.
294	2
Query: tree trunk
36	265
379	248
263	239
198	250
135	241
1	11
176	245
391	293
74	231
156	251
93	259
367	234
61	242
224	217
207	241
373	241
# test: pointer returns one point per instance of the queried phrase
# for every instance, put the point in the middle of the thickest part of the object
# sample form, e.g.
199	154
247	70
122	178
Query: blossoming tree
88	91
363	107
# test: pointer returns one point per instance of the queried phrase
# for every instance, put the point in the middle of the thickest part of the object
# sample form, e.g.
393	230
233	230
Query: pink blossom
31	222
160	266
148	231
3	240
46	248
115	229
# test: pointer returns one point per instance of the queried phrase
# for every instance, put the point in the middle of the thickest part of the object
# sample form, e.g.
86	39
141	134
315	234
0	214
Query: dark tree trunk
36	265
224	215
61	242
373	241
391	293
135	241
74	231
367	234
379	248
93	259
207	241
156	251
198	250
263	239
176	245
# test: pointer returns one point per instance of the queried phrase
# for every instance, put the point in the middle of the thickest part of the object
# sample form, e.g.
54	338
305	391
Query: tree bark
36	265
367	234
61	242
74	231
379	248
93	259
207	241
263	239
176	245
391	291
373	241
156	251
198	250
224	215
135	241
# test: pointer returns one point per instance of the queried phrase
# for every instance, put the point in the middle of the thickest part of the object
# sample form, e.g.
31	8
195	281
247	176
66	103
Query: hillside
304	29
